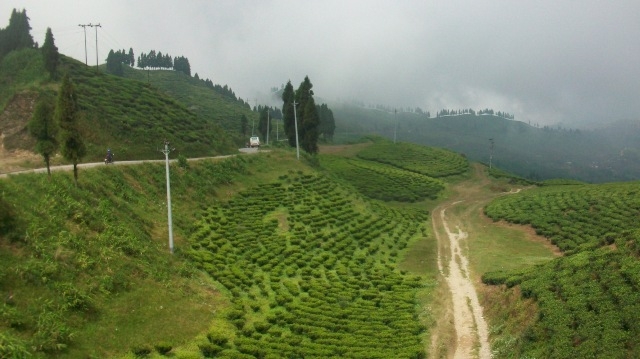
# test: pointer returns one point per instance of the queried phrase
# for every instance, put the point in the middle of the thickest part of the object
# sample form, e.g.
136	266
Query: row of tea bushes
588	300
429	161
312	271
385	182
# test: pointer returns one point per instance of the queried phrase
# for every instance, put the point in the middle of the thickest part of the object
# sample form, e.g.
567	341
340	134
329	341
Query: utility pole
277	132
268	120
96	26
166	152
395	129
295	122
490	152
84	27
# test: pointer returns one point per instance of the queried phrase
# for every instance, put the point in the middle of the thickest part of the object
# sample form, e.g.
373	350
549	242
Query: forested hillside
537	153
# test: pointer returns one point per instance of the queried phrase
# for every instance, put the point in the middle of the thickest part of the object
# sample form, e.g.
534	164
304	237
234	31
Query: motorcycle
108	159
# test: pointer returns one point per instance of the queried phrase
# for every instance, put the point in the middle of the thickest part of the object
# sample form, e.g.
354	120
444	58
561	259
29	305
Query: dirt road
463	310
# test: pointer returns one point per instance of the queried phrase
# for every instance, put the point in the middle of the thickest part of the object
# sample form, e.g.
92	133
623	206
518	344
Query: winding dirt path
471	328
463	310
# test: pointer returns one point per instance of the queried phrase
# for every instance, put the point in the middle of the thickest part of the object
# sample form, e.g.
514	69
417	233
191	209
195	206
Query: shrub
141	350
163	348
210	350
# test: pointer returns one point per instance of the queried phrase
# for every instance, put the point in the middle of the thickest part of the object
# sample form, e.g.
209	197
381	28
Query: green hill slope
295	263
130	116
537	153
588	300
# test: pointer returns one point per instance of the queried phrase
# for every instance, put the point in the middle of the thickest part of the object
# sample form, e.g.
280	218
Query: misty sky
545	61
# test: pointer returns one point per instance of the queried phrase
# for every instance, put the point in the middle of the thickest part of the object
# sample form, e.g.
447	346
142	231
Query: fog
573	63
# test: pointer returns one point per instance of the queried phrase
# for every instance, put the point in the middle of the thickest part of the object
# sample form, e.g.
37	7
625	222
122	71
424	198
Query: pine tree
262	122
50	54
132	59
66	116
244	125
288	97
17	35
43	128
308	119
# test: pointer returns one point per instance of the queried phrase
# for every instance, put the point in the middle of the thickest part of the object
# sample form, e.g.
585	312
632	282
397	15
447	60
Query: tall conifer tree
44	129
66	115
288	97
50	54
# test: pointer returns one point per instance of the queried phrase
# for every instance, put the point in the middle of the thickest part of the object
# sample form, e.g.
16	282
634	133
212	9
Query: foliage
380	181
44	129
327	125
514	179
308	119
50	54
79	254
572	216
66	116
311	275
17	35
588	299
289	113
429	161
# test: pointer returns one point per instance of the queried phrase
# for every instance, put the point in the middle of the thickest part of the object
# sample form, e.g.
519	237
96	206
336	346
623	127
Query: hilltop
131	116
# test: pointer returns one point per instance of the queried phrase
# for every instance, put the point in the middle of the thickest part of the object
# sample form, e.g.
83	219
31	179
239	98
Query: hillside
588	299
77	261
607	154
130	116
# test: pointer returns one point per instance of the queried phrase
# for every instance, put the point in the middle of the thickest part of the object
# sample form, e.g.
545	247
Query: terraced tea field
429	161
311	273
589	300
385	182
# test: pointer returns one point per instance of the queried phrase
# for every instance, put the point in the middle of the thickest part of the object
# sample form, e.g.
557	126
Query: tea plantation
311	270
589	300
429	161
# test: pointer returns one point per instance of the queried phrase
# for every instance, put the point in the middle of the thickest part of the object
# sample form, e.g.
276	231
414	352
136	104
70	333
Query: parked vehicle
254	141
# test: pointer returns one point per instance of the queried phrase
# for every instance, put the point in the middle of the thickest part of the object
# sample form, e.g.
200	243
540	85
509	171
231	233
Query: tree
308	119
244	125
43	128
132	59
263	122
17	35
66	116
50	54
288	97
327	124
114	64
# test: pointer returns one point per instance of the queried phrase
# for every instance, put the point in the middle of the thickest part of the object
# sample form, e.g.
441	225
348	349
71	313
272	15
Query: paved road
118	163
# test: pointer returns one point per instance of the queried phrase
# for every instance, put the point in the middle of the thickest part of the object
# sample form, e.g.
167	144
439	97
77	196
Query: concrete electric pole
166	152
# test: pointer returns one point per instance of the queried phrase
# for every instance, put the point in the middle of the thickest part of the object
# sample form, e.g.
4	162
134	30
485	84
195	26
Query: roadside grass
79	261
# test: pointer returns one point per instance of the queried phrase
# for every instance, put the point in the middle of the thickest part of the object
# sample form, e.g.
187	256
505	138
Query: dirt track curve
463	310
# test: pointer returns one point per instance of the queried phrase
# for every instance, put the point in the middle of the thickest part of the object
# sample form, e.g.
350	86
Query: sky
548	62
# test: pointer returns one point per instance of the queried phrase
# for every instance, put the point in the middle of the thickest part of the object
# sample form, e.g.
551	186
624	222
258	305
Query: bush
210	350
163	348
141	350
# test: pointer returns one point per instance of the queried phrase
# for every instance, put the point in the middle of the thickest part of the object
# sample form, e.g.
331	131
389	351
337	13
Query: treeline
17	35
468	111
158	60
